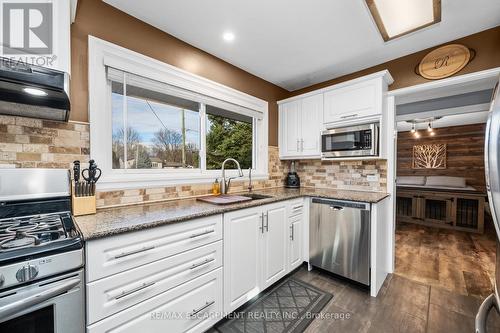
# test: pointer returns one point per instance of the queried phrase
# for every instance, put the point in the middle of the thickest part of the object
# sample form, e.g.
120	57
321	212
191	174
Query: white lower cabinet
123	290
255	252
295	257
170	279
275	244
111	255
151	280
242	259
191	307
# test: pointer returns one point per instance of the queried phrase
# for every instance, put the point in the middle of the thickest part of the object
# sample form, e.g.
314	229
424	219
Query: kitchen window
152	129
152	124
228	135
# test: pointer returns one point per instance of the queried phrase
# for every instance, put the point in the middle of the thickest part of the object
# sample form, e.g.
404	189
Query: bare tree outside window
153	129
160	132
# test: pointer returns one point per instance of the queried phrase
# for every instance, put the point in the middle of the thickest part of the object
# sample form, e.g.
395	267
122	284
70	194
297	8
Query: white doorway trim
446	87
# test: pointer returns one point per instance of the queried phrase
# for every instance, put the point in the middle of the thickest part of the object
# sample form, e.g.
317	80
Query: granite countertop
111	221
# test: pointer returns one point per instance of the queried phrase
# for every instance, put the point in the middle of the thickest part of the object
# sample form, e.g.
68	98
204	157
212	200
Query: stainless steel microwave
352	141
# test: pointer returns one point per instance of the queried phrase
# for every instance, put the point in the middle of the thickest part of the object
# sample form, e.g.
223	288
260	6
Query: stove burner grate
32	231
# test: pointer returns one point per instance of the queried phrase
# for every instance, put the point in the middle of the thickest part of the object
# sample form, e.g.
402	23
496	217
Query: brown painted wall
485	43
103	21
98	19
465	153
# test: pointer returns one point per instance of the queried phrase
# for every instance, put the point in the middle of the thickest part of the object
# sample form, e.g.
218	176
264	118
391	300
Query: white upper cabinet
353	102
289	114
299	129
310	125
302	118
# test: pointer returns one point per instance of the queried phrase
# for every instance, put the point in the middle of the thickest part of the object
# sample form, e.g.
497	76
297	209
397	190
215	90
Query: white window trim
102	53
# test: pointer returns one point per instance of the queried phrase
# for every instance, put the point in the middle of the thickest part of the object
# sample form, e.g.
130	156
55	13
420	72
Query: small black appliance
292	178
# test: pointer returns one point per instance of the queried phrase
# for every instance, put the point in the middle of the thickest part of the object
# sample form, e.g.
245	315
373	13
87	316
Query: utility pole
183	139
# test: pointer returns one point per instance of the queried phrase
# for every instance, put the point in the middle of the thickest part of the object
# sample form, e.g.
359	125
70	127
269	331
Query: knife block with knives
83	191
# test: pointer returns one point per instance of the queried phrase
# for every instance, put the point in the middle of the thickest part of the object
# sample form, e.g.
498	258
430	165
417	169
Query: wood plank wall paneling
465	153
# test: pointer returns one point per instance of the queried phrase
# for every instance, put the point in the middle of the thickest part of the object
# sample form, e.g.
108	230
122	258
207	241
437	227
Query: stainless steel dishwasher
339	238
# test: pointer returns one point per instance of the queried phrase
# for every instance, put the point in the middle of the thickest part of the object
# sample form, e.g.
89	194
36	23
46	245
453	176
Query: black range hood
33	91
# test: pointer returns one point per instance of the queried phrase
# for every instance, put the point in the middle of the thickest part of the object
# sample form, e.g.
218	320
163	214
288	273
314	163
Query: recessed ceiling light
228	36
35	91
395	18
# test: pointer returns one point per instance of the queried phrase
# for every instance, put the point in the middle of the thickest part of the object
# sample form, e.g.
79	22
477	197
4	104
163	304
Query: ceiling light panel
395	18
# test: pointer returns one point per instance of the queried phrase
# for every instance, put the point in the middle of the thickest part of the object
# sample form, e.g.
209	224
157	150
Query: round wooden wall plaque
444	61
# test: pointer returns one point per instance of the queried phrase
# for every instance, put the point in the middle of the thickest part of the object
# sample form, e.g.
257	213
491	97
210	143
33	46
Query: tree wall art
432	156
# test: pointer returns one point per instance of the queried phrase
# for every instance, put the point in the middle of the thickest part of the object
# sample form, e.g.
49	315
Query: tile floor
403	306
441	278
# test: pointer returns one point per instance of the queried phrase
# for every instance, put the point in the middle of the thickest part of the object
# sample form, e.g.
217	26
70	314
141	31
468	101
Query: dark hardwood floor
454	260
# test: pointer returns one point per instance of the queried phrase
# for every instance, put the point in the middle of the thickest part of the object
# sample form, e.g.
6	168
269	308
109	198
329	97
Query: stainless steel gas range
41	254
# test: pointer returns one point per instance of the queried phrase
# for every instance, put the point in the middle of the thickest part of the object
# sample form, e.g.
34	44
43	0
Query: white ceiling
447	121
295	43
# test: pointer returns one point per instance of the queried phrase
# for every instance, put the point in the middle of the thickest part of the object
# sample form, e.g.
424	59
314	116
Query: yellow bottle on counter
216	187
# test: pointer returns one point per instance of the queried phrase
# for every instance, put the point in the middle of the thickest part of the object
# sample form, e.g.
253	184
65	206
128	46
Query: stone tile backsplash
313	173
120	197
352	175
34	143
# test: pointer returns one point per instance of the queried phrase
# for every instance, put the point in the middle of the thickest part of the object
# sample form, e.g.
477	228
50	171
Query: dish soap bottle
216	187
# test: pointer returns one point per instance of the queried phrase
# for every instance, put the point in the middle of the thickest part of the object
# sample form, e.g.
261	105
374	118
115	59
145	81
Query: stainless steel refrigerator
492	168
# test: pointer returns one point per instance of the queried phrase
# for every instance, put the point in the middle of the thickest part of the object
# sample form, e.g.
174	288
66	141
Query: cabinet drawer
115	293
194	306
296	207
116	254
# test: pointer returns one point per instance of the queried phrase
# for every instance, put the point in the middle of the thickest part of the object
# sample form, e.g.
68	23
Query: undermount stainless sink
227	199
255	196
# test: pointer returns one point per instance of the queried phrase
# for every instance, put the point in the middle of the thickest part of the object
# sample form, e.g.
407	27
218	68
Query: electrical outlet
372	178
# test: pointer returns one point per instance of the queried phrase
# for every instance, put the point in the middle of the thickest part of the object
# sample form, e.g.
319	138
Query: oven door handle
26	303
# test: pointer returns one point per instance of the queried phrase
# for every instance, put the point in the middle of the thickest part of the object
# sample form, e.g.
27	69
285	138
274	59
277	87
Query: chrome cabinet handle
261	222
201	233
301	144
196	311
206	261
297	208
298	142
267	222
349	116
29	301
126	254
291	232
136	289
